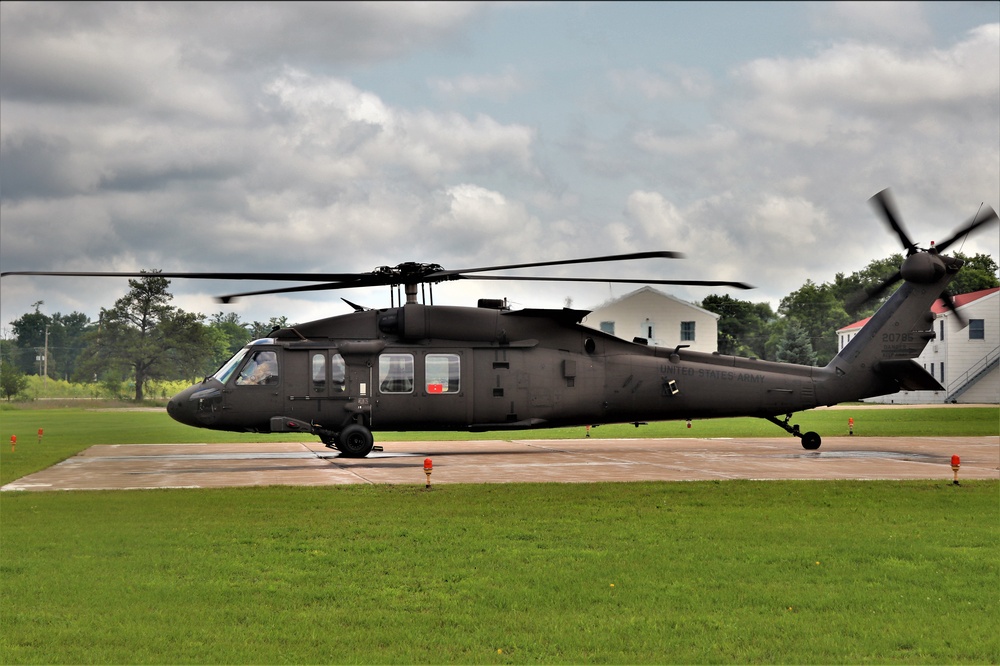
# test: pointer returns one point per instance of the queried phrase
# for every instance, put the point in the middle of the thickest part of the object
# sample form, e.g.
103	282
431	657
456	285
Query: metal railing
970	376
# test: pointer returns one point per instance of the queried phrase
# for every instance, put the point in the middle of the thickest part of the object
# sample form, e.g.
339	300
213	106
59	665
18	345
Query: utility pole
45	358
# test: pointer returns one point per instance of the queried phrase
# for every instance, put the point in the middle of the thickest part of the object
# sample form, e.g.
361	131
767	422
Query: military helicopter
418	366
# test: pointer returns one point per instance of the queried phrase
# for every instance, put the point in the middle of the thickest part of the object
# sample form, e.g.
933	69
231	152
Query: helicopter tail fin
879	359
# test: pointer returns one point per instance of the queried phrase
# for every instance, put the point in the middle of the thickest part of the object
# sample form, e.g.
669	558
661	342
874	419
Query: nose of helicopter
193	405
179	408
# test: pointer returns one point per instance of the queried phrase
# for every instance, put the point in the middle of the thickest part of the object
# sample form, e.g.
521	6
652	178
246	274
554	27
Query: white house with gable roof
965	359
659	318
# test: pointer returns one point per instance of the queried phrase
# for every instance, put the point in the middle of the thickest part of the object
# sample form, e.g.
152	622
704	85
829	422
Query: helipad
106	467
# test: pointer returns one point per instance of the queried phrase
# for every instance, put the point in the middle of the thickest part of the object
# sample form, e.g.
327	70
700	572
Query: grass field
704	572
791	572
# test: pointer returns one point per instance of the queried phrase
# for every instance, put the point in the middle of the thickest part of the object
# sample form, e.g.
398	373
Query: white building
661	319
964	359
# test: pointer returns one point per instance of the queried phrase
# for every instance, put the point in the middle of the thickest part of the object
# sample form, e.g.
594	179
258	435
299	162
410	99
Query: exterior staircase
979	370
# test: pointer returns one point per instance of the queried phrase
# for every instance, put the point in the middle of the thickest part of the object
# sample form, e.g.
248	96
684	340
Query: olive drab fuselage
420	367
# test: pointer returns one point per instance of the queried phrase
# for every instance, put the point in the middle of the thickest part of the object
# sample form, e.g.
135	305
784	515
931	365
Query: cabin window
977	329
319	372
338	373
260	370
687	331
442	373
608	327
395	373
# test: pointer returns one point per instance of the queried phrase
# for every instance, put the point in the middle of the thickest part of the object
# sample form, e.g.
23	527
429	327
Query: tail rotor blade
875	292
950	303
984	217
882	202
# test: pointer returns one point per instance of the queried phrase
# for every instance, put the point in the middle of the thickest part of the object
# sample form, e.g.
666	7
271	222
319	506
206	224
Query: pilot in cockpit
262	369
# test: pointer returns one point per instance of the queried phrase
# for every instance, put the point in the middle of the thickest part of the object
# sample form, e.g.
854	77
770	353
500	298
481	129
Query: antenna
981	203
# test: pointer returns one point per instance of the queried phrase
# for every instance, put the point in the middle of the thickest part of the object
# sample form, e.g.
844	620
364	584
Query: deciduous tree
145	337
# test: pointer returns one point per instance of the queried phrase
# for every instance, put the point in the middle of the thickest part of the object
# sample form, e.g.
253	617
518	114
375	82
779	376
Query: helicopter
420	366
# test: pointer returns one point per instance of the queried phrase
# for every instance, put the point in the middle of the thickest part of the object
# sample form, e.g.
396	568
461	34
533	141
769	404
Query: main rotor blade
563	262
394	280
288	277
883	203
228	298
984	217
690	283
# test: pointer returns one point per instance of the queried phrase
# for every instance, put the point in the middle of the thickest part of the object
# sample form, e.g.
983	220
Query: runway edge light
428	468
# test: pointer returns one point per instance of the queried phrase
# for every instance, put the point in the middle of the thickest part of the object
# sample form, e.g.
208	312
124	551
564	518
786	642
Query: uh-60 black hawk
432	367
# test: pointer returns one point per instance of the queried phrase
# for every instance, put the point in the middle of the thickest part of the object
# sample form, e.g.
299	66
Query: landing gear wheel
355	441
811	441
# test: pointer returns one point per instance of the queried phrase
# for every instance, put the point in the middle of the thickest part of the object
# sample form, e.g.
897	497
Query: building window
977	329
941	335
942	372
608	327
687	331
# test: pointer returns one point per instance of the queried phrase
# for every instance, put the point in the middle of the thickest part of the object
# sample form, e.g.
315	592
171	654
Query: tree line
142	337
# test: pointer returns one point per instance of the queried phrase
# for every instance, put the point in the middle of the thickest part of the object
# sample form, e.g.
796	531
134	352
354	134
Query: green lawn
744	572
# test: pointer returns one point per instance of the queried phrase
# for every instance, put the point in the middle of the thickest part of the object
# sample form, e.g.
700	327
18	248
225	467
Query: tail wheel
355	441
811	441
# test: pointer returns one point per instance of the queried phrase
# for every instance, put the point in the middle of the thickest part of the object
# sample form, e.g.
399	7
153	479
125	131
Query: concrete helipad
570	461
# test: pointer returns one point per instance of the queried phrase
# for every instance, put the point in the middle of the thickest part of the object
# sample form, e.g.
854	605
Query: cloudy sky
340	137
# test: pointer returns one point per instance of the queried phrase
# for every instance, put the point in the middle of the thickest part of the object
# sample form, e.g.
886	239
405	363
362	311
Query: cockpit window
260	370
226	371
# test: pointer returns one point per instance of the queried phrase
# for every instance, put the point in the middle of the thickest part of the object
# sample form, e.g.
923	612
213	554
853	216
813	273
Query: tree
979	272
743	326
235	332
226	335
851	290
60	337
29	329
261	330
820	312
794	346
144	338
12	380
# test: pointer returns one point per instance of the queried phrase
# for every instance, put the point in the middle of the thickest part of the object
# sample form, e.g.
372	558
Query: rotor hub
922	268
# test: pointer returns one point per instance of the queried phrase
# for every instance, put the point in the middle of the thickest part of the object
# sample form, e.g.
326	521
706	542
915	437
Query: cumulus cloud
857	88
353	134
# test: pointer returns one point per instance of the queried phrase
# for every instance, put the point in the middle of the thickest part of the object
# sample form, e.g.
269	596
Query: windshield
225	372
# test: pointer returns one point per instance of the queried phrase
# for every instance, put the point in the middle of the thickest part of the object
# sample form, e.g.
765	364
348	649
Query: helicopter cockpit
258	359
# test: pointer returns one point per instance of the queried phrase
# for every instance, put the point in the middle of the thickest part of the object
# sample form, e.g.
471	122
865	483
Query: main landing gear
354	441
810	440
